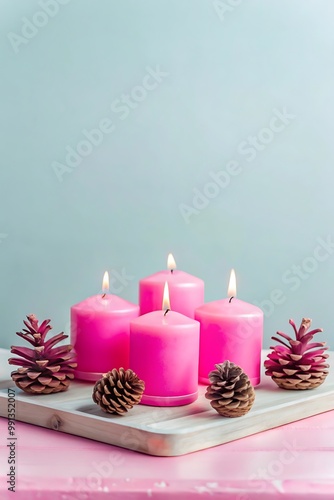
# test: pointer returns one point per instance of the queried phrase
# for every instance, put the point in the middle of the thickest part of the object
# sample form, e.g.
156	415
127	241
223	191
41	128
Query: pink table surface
295	461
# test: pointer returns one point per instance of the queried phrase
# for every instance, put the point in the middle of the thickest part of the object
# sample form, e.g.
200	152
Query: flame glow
232	286
171	264
165	300
105	282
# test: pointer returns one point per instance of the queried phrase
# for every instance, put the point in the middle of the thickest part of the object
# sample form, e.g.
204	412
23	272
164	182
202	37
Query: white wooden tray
167	431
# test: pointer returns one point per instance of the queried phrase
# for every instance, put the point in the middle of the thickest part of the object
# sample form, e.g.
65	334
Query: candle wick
231	299
171	271
103	296
166	312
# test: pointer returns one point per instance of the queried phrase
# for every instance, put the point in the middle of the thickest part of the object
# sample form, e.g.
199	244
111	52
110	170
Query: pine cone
298	364
231	392
45	368
118	391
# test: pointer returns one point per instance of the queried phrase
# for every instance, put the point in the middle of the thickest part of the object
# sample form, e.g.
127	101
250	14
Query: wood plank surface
166	431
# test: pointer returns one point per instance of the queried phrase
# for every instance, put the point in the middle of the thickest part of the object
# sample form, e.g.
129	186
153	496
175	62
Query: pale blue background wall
228	70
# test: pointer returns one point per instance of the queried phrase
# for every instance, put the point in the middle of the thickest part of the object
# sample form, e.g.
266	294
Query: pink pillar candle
186	291
164	352
100	334
230	330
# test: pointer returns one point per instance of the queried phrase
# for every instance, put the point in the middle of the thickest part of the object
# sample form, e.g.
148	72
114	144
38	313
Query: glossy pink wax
164	353
186	292
230	331
100	333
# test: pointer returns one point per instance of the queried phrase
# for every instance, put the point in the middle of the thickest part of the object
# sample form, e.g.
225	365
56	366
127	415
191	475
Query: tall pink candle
230	330
186	291
100	334
164	350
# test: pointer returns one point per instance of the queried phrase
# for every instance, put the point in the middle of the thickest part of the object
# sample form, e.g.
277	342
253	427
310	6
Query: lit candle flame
171	264
232	286
105	284
165	300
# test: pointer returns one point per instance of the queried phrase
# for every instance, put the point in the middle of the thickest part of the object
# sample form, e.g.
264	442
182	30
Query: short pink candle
100	334
186	291
230	330
164	351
